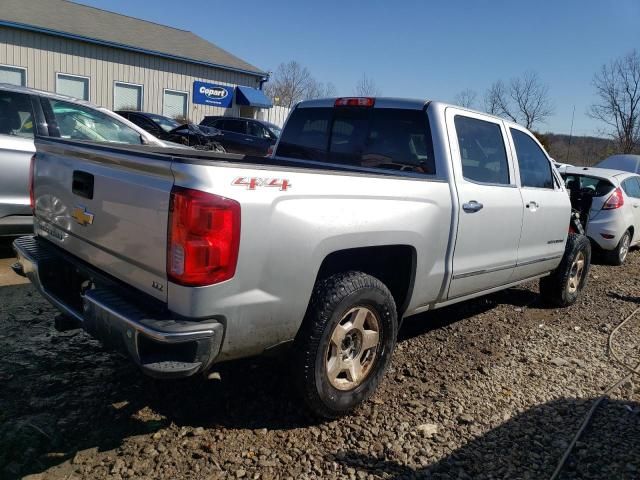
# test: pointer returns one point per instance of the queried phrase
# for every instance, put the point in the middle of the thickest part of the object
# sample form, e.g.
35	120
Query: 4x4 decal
254	182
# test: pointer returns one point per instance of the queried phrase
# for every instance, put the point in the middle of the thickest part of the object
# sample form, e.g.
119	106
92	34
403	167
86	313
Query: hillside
584	150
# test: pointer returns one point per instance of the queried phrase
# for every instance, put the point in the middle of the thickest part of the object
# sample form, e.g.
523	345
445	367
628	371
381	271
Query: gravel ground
492	388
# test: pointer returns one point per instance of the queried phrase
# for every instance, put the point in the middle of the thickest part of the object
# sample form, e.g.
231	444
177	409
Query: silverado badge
81	216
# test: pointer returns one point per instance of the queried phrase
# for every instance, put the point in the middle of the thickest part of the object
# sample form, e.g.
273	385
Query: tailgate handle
82	184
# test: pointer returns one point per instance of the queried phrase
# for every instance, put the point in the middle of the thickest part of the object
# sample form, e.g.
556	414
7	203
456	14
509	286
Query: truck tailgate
106	206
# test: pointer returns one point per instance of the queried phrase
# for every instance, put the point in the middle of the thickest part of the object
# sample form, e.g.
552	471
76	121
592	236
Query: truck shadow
63	392
6	251
528	445
426	322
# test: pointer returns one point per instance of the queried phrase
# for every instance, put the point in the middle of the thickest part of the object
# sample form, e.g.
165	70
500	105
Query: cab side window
535	168
16	118
482	150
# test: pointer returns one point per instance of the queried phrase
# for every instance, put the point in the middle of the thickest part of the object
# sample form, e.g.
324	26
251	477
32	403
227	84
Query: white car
609	206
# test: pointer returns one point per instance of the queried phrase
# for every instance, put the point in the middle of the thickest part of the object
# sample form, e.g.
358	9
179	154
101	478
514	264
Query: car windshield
165	123
79	122
206	130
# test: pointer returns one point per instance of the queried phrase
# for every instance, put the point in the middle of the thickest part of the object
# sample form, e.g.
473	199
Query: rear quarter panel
286	235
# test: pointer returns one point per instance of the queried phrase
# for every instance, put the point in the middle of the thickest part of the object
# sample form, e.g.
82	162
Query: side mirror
143	140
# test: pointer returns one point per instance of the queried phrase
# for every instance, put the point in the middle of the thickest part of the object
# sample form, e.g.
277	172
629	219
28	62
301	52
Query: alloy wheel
353	349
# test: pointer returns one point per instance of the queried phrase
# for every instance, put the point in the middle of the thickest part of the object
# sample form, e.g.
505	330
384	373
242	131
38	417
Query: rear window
596	187
390	139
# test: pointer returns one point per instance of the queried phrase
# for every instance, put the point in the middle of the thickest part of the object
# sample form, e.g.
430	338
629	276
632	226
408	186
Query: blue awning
252	97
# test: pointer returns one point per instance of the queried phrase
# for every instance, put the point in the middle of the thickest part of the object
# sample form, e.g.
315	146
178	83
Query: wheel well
631	231
393	265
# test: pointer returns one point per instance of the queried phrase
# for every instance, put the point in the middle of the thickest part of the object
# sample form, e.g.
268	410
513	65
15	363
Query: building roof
89	24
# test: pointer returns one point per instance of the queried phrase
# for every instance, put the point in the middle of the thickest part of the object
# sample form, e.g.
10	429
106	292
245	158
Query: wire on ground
598	401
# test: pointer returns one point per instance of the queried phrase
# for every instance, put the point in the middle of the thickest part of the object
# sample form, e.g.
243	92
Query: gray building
121	62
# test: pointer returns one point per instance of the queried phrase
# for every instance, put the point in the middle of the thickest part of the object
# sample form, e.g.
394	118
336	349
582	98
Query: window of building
535	168
174	104
72	86
16	118
482	150
127	96
13	75
77	122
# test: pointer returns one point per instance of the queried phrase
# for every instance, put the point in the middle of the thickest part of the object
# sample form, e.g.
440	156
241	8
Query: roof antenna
570	133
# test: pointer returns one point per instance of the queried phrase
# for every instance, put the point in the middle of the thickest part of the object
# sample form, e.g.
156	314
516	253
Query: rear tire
345	343
565	283
618	255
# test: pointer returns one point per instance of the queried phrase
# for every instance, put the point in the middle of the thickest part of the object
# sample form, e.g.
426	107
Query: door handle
532	205
249	139
472	206
635	205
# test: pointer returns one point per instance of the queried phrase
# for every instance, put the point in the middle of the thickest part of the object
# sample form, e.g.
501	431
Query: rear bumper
161	343
609	224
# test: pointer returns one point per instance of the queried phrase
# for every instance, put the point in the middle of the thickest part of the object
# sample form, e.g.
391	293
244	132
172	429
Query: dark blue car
244	135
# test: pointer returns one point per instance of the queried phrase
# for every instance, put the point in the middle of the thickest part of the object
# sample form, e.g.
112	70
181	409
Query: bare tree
494	98
366	87
466	98
321	90
289	84
531	99
292	83
525	100
618	89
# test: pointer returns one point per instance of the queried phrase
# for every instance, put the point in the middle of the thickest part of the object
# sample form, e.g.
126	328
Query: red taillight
204	237
355	102
616	200
32	197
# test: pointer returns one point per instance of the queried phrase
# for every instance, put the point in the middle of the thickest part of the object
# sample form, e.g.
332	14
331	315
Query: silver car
624	162
24	113
609	204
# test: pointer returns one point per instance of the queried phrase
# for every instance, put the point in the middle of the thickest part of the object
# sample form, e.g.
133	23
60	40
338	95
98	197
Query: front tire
618	255
565	283
345	343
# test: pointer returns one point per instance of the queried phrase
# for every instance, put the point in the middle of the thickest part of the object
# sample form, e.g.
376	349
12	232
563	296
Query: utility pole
570	133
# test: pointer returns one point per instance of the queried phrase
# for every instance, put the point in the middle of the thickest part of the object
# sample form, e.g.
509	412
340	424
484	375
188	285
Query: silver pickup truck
369	211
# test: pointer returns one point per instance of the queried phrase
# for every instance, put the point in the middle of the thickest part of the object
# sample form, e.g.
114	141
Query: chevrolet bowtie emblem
81	216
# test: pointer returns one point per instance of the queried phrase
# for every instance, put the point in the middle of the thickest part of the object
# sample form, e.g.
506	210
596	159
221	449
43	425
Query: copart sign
212	94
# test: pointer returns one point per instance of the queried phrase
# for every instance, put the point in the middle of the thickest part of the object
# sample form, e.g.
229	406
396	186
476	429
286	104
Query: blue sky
425	49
